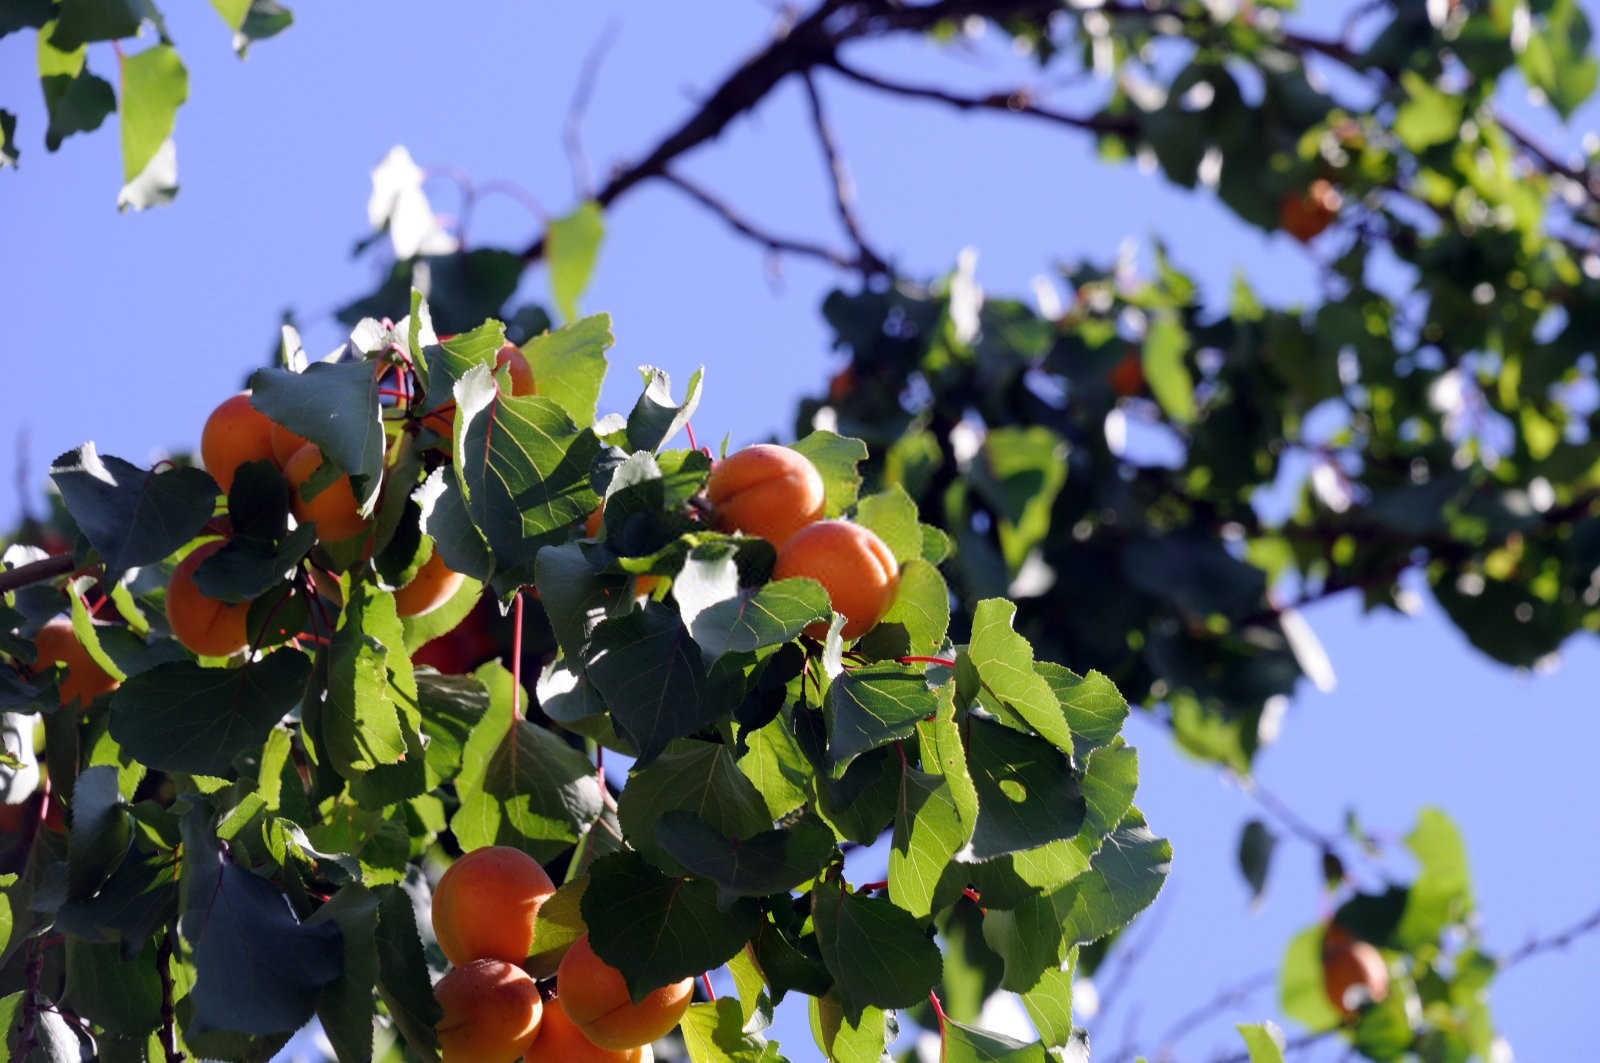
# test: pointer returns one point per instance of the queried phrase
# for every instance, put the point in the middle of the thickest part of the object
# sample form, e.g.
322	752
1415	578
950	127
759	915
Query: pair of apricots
776	493
493	1012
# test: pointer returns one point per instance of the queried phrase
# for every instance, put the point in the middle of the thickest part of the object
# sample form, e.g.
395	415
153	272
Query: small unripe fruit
236	432
765	490
596	999
206	625
334	509
560	1041
431	587
1353	972
85	680
854	566
1305	216
492	1012
485	904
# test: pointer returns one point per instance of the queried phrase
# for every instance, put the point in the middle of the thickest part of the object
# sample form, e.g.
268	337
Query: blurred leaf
572	244
1256	843
1162	359
154	85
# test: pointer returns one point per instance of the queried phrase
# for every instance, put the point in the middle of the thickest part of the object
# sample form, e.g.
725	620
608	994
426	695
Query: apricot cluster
493	1012
777	493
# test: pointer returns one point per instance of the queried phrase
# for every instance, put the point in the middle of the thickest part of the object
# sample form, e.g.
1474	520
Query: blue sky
127	329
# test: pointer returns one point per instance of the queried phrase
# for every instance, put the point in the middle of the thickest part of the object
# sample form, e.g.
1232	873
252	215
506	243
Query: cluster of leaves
153	82
251	839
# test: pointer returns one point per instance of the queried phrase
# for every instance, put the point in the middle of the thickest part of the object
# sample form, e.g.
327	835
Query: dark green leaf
1256	843
872	706
968	1044
1027	796
657	417
403	979
131	516
878	954
750	620
335	406
1004	661
75	99
101	831
344	1005
772	861
82	21
652	677
695	777
119	993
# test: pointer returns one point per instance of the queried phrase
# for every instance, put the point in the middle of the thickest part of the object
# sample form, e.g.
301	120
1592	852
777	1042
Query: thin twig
1588	925
746	228
36	572
572	130
844	194
1293	1044
1231	997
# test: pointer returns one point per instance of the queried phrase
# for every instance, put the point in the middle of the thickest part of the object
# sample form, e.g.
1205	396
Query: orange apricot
560	1041
1353	972
285	443
854	566
85	680
596	999
765	490
236	432
485	904
333	509
431	587
1306	215
492	1011
1127	376
205	625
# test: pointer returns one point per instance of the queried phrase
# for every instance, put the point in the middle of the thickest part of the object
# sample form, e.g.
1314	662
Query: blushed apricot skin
492	1011
560	1041
1305	216
1348	963
333	509
85	680
522	383
285	443
857	569
205	625
765	490
596	999
236	432
485	904
431	587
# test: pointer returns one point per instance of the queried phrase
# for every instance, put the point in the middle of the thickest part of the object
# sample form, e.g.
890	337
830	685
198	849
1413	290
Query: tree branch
1231	997
1587	925
35	572
1011	101
572	129
839	176
748	229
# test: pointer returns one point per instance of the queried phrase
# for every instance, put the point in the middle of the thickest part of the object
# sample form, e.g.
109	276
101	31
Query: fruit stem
516	661
705	980
938	1010
946	661
872	887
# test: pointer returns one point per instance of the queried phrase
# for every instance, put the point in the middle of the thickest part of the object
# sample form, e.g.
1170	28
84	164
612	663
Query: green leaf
657	417
533	790
25	14
101	831
929	830
131	516
335	406
893	516
652	677
179	716
776	767
918	618
572	244
1020	474
968	1044
842	1038
1049	1004
111	990
1300	982
569	365
1123	879
1162	359
771	861
1557	59
715	1033
773	613
872	706
344	1005
82	21
232	11
1091	703
1264	1041
154	85
258	969
1004	661
1429	116
1441	896
1027	796
558	923
403	980
696	777
75	100
656	929
1256	843
362	724
836	458
878	953
266	18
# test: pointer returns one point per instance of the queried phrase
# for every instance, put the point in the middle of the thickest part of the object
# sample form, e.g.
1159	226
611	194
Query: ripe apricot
854	566
236	432
485	904
560	1041
492	1011
85	680
522	383
205	625
431	587
596	999
765	490
333	509
1127	376
1304	216
1353	972
285	443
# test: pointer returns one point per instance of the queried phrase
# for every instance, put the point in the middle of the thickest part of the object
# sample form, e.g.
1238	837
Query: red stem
516	662
687	427
872	887
946	661
938	1009
705	980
